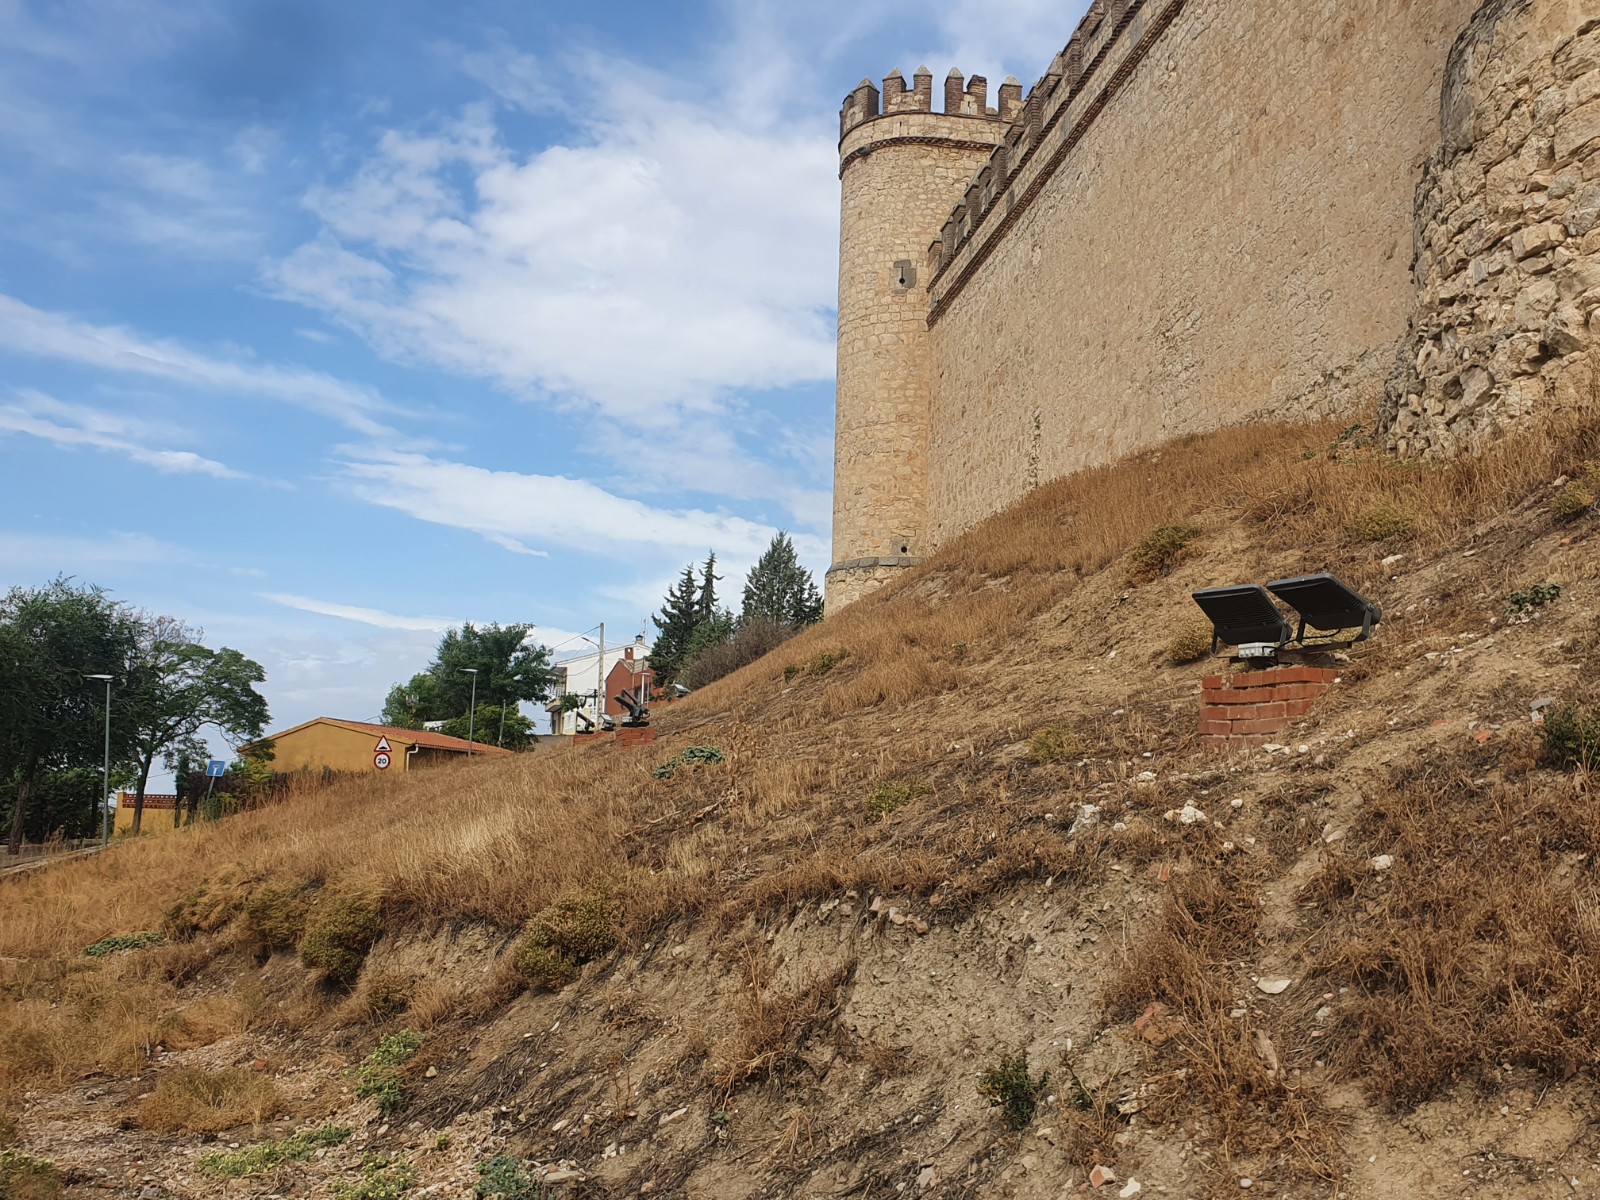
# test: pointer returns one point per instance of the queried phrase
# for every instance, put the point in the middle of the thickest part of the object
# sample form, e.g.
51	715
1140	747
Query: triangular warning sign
383	745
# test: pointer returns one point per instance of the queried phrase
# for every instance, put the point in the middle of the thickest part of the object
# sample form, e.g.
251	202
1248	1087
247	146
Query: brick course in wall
1247	708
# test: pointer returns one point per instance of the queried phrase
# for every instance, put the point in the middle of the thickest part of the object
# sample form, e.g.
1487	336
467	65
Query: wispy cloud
32	331
365	616
78	555
76	426
513	509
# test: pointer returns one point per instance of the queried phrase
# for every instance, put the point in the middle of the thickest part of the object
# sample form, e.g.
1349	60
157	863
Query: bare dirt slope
938	838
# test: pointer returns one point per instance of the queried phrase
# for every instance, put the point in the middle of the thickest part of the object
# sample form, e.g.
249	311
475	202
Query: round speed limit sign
381	760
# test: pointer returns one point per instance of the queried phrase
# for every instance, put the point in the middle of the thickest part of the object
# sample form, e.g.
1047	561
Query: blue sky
327	326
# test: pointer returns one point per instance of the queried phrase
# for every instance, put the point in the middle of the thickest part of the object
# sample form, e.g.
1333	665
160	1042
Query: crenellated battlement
1096	61
962	98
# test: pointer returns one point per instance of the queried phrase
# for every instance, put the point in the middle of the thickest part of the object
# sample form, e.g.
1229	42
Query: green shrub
258	1160
1572	736
576	929
1008	1087
692	757
1160	551
380	1180
1054	745
276	915
339	932
380	1076
1572	501
123	941
1382	522
888	798
1190	644
1540	594
826	660
507	1178
23	1177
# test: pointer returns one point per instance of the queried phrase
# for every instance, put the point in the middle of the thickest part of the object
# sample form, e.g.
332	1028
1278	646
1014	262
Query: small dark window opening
905	549
905	275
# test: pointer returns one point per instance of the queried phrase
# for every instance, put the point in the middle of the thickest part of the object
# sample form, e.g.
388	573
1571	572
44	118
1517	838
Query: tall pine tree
778	589
675	625
707	604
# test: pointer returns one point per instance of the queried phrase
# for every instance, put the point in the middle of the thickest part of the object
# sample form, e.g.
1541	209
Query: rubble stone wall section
1507	234
1228	238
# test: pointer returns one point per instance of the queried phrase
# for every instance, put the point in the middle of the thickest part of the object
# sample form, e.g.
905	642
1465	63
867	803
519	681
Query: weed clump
889	798
380	1180
123	941
692	757
576	929
1009	1087
1162	549
380	1077
1382	522
23	1177
207	908
1524	601
1571	736
1190	644
1054	745
507	1178
259	1159
196	1101
1572	501
276	915
339	932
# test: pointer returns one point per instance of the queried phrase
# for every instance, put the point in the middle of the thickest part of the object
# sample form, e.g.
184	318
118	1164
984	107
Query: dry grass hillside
922	926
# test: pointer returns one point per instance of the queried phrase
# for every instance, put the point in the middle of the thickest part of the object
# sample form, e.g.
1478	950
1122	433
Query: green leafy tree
177	686
778	589
497	725
706	602
51	718
675	625
509	669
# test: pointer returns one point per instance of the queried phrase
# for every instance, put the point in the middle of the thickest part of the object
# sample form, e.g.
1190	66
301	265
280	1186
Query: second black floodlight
1326	605
1244	616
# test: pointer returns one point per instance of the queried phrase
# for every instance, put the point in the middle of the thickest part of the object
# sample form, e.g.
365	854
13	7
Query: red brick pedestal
635	735
1248	708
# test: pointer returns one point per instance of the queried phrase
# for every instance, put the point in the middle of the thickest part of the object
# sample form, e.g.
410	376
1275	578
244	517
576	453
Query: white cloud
513	509
42	334
76	555
671	254
74	425
365	616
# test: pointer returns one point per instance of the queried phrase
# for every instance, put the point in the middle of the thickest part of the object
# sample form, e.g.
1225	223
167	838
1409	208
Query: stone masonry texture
1208	212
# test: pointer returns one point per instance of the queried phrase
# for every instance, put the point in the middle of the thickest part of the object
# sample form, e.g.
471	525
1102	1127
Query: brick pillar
635	735
1248	708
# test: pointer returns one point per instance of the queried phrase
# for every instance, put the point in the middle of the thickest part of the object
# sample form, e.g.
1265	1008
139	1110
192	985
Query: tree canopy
177	686
509	669
780	590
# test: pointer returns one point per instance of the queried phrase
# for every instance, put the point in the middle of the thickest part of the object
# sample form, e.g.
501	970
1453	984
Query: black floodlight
1244	616
1326	605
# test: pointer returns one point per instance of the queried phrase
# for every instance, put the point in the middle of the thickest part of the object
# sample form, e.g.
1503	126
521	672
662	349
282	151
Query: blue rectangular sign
215	768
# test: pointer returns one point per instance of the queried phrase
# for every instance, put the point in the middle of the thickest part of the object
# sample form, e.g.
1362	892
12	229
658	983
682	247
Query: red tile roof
418	737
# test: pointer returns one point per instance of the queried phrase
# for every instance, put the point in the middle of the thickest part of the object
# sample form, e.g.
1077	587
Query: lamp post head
102	678
467	670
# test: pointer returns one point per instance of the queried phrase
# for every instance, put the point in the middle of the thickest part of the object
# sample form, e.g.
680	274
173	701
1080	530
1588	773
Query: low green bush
1009	1087
258	1160
1161	550
507	1178
1054	745
1189	644
380	1180
694	756
380	1076
576	929
339	932
1382	522
1572	736
123	941
23	1177
891	797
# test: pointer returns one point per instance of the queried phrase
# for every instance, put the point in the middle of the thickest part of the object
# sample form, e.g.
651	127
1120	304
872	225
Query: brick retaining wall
1248	708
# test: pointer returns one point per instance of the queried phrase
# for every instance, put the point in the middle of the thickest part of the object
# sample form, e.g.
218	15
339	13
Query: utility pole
600	682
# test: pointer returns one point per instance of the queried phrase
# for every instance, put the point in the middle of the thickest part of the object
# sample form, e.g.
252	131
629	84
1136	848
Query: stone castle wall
1507	234
901	163
1226	234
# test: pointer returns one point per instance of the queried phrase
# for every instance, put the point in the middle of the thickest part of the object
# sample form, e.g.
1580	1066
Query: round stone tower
903	168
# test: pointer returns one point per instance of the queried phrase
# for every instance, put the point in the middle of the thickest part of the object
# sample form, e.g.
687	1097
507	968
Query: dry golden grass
806	732
194	1101
770	1027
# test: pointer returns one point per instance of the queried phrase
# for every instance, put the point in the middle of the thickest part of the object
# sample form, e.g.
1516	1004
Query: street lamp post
472	711
501	741
105	778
